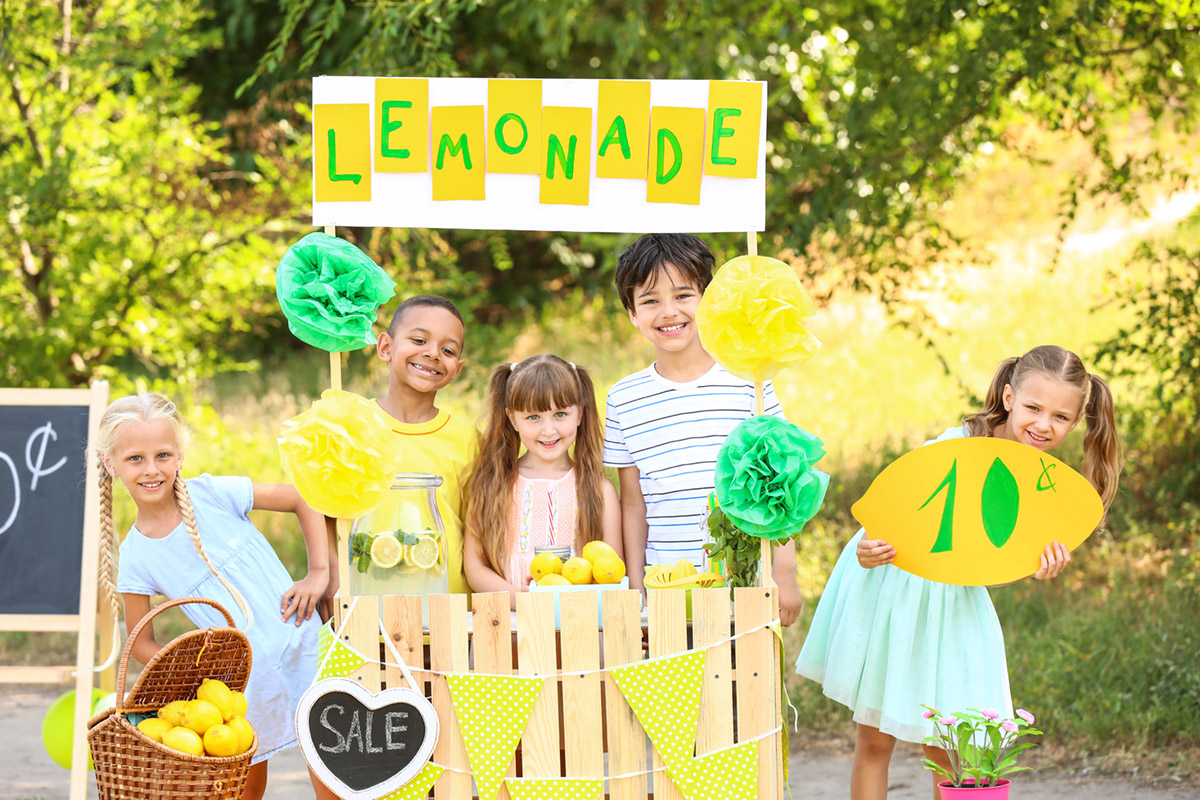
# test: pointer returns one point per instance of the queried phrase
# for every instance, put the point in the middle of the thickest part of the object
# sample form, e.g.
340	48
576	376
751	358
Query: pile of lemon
213	724
598	563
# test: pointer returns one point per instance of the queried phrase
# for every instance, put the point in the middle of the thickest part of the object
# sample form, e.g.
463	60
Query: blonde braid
184	501
108	557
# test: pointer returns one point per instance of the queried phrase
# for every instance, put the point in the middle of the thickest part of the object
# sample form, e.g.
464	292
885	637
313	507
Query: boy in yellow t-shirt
423	348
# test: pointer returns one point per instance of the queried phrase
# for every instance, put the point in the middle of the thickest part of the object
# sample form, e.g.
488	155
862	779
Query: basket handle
137	631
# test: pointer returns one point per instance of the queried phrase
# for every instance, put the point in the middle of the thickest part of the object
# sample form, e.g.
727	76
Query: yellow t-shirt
444	446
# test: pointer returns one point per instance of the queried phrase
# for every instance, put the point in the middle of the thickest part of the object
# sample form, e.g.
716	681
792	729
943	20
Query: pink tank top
541	513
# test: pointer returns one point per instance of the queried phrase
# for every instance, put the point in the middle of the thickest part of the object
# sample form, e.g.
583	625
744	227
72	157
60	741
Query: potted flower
982	749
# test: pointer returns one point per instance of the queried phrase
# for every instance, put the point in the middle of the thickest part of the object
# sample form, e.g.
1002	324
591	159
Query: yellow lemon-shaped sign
977	511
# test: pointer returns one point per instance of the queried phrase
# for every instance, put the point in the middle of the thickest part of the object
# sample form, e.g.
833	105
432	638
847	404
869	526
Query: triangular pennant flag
664	694
492	711
731	774
419	786
339	661
324	639
555	788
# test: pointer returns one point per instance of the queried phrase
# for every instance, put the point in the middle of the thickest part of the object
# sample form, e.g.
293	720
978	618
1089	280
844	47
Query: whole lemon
220	741
554	579
594	550
244	732
608	569
544	564
200	715
184	740
578	571
239	704
154	727
171	712
219	695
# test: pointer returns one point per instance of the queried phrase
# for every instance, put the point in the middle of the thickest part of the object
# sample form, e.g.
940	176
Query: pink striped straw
550	500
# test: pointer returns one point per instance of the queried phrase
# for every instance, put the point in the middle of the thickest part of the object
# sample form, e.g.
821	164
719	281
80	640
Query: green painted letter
720	132
500	141
616	133
333	173
554	149
945	537
389	126
665	136
447	143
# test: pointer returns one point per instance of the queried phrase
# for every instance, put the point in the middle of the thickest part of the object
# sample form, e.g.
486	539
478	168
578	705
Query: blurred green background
954	182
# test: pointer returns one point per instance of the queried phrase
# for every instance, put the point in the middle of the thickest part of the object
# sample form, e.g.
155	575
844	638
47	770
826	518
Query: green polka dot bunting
419	786
339	663
730	774
555	788
664	694
492	711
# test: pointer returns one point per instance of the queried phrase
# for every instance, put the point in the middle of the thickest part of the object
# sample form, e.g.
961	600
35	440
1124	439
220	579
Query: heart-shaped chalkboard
365	745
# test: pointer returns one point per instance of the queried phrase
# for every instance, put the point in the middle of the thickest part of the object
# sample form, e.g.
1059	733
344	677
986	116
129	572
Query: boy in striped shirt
665	424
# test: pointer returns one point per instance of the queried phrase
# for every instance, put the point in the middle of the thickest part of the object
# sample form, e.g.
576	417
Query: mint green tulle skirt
884	642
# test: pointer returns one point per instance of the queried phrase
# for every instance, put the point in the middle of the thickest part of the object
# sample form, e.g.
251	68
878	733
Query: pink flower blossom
1008	725
1025	715
990	713
930	714
949	722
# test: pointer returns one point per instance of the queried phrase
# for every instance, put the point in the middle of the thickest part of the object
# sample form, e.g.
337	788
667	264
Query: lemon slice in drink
385	551
425	553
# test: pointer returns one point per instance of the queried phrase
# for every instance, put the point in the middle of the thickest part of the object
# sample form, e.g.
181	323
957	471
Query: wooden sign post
49	536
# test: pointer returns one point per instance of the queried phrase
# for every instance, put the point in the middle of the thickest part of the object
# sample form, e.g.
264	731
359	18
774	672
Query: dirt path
27	773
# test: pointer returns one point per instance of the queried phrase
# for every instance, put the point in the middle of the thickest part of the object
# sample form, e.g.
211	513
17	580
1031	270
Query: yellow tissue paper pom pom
341	454
752	318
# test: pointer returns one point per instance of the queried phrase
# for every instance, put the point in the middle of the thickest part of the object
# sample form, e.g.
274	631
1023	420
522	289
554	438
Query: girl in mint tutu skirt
883	641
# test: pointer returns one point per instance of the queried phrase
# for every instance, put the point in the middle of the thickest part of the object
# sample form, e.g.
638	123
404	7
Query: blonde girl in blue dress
195	539
883	642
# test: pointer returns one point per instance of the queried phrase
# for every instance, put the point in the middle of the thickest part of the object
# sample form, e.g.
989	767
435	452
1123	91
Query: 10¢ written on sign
977	511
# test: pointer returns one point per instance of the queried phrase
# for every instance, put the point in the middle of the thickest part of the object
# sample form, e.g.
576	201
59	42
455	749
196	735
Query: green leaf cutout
1001	500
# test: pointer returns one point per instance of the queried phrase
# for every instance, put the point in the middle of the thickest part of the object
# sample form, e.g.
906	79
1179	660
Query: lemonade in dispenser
400	546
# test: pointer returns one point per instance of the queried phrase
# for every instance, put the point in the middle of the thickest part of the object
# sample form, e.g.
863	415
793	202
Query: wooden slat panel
758	676
583	732
37	674
492	640
362	633
537	656
402	625
626	739
668	635
448	652
711	623
50	623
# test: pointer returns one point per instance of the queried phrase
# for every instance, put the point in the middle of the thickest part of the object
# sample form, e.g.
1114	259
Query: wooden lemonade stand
581	724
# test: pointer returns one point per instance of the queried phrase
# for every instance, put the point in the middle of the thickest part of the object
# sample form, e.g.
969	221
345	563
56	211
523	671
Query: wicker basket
131	765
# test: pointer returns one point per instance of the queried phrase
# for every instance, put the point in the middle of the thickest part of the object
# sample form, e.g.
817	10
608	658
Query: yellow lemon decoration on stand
244	732
545	564
172	712
154	727
578	571
184	740
608	569
219	695
596	549
200	715
220	741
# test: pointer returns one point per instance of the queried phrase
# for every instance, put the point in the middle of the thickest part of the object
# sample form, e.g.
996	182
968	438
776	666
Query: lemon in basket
593	551
220	741
184	740
425	553
219	695
553	579
200	715
171	712
578	571
385	551
608	569
244	732
544	564
155	727
239	704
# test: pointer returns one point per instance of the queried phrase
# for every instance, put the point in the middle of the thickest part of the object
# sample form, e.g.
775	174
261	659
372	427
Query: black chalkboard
362	746
43	470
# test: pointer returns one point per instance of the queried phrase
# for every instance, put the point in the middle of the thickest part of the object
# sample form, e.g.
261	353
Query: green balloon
58	725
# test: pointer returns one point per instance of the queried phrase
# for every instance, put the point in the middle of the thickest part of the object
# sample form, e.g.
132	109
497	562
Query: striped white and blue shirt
672	432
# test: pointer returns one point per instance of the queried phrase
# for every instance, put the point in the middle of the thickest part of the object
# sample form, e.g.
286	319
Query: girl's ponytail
1101	447
589	463
184	501
489	488
108	557
994	413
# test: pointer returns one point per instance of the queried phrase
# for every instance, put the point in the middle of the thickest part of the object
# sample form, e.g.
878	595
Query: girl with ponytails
545	496
194	538
886	643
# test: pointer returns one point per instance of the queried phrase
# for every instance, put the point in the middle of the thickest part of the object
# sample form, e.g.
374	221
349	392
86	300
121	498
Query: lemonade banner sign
565	155
977	511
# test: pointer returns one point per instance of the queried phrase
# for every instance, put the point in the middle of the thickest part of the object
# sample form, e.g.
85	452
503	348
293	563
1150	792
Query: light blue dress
284	657
883	642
